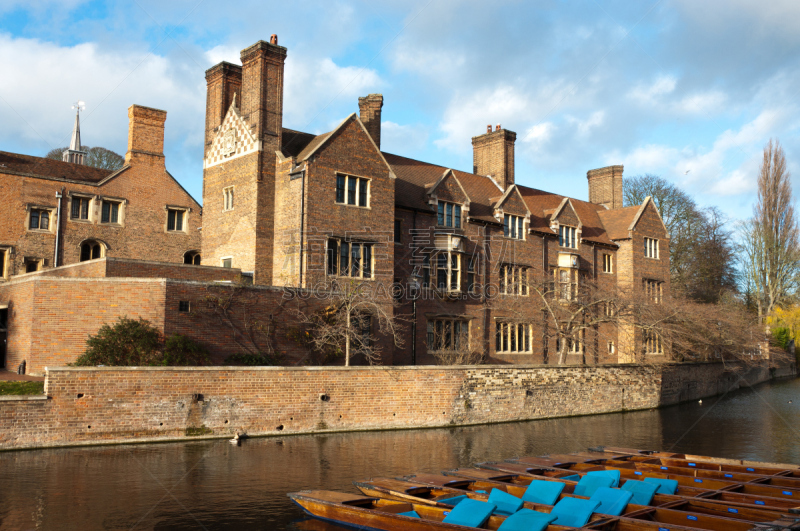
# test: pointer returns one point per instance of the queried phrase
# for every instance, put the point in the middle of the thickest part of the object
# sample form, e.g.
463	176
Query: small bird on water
699	401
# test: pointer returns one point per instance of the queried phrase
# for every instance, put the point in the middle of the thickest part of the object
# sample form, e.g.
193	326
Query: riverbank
86	406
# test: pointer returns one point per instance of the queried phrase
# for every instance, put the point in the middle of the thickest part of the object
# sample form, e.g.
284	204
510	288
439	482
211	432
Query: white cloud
648	94
397	138
538	135
584	127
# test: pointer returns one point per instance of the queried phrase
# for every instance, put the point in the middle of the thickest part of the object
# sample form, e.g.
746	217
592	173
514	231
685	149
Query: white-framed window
226	261
227	198
513	280
652	289
651	341
566	283
447	334
568	236
349	258
611	348
39	219
176	219
448	214
110	211
79	209
608	263
91	249
4	262
513	337
447	265
473	272
651	248
513	227
352	190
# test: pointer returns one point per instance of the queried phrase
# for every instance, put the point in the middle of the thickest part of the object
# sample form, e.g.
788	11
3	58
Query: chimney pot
497	128
489	128
273	39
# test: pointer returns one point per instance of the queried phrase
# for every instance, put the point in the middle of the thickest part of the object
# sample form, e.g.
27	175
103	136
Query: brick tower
244	123
605	186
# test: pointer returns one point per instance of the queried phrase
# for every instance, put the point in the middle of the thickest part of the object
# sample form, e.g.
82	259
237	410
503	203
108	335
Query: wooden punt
659	468
709	460
383	514
716	518
518	474
712	484
701	462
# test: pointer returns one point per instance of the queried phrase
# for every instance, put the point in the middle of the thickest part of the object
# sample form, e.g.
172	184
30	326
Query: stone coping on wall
22	398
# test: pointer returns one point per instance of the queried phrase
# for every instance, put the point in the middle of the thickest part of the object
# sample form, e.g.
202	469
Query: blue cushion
588	484
506	503
412	514
526	520
642	492
613	474
541	491
471	513
572	477
612	501
452	501
665	486
573	512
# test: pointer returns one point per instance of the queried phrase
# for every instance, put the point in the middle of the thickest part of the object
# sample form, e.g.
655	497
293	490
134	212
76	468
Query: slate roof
49	168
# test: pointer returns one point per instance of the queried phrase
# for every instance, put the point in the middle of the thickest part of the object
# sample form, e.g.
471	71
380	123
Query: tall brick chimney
223	82
493	155
369	110
262	91
145	133
605	186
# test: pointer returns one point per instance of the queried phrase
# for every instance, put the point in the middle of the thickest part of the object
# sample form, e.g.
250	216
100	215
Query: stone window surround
517	223
457	220
431	324
608	263
518	275
652	248
372	245
347	177
505	338
5	267
185	210
92	200
120	215
51	222
228	198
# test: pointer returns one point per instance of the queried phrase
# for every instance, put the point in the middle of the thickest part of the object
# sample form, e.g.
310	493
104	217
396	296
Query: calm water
215	485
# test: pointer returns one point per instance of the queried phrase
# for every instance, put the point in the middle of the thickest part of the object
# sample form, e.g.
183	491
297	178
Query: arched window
191	258
91	249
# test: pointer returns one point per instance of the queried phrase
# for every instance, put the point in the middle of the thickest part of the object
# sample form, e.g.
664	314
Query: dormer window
568	237
512	227
449	215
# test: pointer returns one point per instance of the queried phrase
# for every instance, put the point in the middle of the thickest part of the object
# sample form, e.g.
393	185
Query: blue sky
687	90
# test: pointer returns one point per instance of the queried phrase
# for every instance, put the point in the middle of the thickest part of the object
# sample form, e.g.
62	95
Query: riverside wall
85	406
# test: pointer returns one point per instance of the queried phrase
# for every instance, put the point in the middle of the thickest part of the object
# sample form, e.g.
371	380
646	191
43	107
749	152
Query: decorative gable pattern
234	139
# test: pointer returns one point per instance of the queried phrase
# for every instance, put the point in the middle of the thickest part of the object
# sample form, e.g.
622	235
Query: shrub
127	343
782	337
137	343
180	350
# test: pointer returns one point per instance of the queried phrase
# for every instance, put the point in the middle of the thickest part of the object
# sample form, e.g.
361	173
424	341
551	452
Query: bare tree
770	248
97	157
352	323
453	347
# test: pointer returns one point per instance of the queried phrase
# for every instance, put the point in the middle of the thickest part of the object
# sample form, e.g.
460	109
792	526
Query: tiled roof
50	168
294	142
543	204
618	221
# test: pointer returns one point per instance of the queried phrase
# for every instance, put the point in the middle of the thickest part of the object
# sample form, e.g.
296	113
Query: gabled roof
29	166
620	221
451	173
513	189
543	206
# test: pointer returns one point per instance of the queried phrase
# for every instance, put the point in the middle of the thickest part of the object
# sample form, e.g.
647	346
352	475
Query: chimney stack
493	155
605	186
145	133
369	110
223	84
262	91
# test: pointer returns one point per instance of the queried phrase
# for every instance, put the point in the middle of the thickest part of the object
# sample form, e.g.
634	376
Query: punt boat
521	475
717	518
659	468
392	515
688	481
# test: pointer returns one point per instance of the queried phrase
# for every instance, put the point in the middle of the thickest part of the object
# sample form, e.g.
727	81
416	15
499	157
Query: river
217	485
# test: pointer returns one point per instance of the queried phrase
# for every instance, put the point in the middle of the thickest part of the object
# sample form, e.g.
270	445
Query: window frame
228	198
224	259
111	202
184	219
514	227
5	255
93	244
568	238
652	248
361	190
447	329
573	280
449	211
439	265
652	342
653	289
366	254
608	263
518	280
39	210
81	198
507	333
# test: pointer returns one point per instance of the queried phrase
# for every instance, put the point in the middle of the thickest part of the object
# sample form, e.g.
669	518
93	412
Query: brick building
62	212
299	210
461	250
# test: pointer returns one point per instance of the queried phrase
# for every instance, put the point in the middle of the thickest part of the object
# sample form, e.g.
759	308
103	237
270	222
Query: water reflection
216	485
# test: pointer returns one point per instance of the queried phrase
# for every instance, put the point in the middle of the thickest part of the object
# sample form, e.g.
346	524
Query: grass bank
21	388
